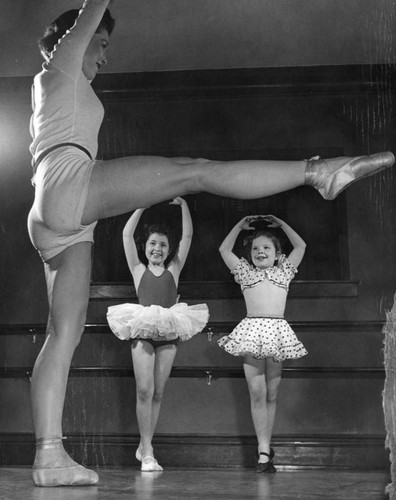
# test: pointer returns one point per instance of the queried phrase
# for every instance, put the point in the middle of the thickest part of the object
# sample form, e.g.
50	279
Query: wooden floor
191	484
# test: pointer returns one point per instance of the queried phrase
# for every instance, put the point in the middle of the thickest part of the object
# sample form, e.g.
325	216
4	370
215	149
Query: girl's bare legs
273	373
263	377
152	369
67	277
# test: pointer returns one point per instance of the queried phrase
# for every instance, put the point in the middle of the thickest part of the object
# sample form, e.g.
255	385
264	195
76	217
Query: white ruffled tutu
181	321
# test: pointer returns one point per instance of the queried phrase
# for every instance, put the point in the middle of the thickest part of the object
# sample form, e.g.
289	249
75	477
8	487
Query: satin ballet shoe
266	467
331	177
150	464
75	475
138	454
59	475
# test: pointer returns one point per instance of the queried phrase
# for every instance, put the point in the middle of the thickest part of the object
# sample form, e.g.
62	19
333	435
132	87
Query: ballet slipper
150	464
331	177
57	474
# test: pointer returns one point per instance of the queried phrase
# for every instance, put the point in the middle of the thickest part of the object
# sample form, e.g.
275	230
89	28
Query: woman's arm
68	54
225	249
299	245
135	266
180	258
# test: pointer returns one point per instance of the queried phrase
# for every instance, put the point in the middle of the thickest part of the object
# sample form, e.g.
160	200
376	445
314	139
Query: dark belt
41	157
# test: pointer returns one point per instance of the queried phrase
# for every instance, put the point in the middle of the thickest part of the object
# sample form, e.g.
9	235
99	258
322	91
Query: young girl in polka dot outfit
263	338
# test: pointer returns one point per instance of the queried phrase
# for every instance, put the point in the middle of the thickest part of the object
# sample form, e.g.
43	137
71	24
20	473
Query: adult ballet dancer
73	191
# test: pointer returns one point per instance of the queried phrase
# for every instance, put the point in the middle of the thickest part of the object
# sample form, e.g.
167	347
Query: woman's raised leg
121	185
67	277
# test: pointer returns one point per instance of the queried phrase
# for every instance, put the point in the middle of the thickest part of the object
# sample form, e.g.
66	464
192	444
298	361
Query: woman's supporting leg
67	277
121	185
263	378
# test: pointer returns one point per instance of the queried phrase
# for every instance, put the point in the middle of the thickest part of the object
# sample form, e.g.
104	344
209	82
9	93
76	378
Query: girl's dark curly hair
248	242
163	230
57	29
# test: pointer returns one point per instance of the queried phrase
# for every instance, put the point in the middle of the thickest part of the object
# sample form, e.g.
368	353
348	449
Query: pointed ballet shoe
138	454
266	467
51	474
331	177
150	464
75	475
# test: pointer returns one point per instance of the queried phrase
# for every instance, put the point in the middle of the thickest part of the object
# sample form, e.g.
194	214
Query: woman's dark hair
163	230
55	31
248	242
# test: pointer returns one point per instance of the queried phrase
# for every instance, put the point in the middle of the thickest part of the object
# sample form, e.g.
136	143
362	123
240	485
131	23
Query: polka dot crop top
248	276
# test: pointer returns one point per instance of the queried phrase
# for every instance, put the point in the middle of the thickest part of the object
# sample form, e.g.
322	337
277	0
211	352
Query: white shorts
61	183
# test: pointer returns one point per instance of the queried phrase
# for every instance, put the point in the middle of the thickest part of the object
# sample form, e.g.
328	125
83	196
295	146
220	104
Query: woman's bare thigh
122	185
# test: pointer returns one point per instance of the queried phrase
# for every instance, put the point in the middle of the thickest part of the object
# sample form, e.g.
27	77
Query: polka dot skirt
263	338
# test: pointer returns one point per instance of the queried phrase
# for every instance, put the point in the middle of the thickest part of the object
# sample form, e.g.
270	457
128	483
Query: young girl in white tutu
157	323
263	338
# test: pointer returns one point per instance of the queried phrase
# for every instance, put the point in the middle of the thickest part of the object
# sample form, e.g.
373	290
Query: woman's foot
331	177
54	467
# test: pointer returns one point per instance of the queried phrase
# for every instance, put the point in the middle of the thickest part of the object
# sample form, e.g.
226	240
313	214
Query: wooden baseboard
345	452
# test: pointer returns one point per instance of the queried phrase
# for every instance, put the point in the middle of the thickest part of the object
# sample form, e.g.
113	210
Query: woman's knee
68	335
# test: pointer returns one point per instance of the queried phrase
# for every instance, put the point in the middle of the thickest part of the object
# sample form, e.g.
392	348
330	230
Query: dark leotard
160	291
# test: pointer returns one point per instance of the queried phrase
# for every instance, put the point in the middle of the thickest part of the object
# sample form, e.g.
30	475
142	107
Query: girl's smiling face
95	55
157	249
263	252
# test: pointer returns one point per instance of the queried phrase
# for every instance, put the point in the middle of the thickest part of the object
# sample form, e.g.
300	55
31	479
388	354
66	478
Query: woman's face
157	249
95	55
